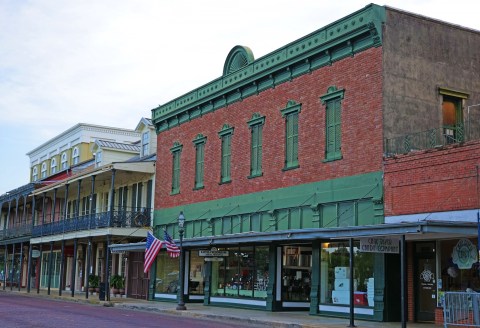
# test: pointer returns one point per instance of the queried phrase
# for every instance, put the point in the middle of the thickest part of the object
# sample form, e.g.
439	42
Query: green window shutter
199	143
176	151
226	156
256	127
333	131
290	112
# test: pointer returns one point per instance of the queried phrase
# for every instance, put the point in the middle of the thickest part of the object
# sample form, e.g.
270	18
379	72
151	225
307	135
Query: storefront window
296	273
197	274
243	273
167	274
460	270
335	275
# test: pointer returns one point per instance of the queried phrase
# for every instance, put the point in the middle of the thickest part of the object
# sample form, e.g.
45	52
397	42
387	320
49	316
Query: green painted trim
226	129
268	203
237	58
256	119
176	147
345	37
199	139
291	107
453	93
332	93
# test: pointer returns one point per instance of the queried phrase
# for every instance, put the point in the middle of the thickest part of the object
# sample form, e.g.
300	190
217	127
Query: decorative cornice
350	35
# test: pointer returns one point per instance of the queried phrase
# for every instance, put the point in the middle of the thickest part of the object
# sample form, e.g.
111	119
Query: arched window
64	161
75	156
44	170
53	166
35	174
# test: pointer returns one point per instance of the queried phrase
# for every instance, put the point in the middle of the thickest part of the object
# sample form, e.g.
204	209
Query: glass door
426	285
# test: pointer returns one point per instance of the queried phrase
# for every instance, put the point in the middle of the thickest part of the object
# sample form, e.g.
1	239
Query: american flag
172	248
152	248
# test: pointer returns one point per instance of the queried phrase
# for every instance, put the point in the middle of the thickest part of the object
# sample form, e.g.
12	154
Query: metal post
181	304
403	282
62	268
352	299
29	267
107	269
112	198
39	263
13	267
21	266
74	267
50	263
5	258
88	270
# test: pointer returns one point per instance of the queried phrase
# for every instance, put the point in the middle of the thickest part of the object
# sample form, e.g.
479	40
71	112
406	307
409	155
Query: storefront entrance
425	281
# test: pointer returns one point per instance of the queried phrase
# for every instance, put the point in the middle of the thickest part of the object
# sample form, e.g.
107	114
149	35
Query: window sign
380	245
464	254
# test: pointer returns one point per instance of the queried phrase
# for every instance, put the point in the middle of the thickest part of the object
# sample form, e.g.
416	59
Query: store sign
464	254
35	253
213	253
386	245
213	259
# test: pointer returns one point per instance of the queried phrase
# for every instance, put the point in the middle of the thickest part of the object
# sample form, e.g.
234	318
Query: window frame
64	161
53	165
226	153
291	115
256	124
199	144
43	171
75	156
146	143
333	123
176	151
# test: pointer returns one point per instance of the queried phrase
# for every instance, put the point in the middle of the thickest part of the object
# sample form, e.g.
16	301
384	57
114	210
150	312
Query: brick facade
361	78
433	180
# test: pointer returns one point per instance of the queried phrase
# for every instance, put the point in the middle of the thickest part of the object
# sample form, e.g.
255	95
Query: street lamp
181	222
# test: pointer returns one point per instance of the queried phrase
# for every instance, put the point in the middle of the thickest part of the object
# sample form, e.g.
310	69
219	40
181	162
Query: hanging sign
213	253
35	253
386	245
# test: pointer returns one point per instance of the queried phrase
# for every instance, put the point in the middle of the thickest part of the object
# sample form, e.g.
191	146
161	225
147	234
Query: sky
109	62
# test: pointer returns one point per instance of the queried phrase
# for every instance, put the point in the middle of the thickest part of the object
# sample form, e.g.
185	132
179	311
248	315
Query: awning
131	247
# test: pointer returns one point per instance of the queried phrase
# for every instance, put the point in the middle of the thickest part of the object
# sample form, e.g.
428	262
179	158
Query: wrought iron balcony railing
429	139
117	218
16	232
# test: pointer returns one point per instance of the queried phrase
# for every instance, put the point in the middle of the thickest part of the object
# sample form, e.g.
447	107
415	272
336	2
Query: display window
167	274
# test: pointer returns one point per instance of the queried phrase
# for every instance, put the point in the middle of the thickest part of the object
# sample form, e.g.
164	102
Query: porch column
24	214
7	222
316	277
5	259
43	211
15	220
50	261
12	268
74	267
65	215
54	203
29	267
38	277
21	266
77	208
62	269
107	269
88	269
403	282
352	290
112	198
91	204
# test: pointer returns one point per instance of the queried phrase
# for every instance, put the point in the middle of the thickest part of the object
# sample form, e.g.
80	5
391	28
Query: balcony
118	218
433	138
16	232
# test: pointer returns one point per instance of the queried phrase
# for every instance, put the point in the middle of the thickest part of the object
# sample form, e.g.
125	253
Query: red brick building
278	166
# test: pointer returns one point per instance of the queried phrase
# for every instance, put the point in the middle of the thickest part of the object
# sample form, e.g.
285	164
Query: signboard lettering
380	245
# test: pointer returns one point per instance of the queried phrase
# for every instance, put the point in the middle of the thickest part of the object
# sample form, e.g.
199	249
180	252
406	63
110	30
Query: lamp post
181	222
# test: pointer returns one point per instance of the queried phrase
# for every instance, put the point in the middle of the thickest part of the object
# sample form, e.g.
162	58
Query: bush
93	281
117	281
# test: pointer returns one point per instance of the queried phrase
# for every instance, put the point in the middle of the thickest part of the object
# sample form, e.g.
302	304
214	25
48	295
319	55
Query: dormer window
98	158
44	170
64	161
53	166
145	143
75	156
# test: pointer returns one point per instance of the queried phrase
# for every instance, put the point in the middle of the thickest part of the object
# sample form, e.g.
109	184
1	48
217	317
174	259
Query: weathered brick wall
360	76
433	180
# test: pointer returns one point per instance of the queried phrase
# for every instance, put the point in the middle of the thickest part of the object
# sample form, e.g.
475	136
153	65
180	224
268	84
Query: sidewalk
291	319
